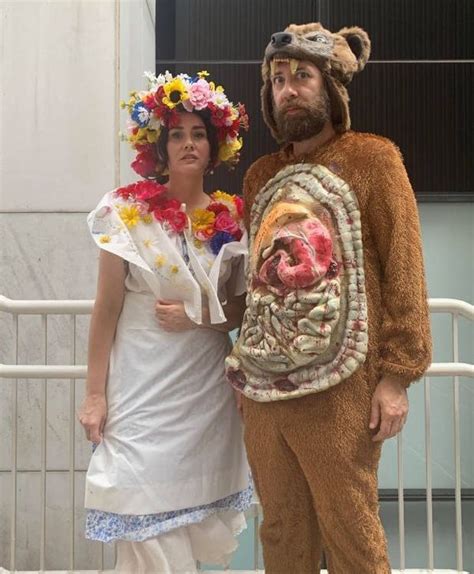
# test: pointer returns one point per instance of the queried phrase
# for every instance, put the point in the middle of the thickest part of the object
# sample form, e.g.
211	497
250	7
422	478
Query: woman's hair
162	141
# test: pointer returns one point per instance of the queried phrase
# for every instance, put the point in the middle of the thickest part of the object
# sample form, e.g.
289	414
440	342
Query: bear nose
281	39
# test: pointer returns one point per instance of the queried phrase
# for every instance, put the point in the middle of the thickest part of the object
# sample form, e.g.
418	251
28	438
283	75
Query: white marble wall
64	66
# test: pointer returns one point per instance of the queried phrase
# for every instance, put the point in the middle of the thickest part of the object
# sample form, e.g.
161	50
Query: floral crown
157	107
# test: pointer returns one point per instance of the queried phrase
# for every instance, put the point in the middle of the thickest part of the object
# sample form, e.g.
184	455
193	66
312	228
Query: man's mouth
293	110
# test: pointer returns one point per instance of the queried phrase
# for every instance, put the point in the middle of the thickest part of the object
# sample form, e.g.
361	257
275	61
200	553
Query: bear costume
336	300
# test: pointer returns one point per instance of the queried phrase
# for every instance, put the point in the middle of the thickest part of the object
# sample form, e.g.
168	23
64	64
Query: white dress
173	436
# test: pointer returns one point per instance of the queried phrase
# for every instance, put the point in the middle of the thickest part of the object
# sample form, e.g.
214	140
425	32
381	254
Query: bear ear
359	43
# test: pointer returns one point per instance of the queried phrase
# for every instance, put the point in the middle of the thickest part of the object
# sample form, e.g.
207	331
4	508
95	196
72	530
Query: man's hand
172	316
389	408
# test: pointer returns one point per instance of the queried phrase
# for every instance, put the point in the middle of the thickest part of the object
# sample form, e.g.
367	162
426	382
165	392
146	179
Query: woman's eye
200	135
175	135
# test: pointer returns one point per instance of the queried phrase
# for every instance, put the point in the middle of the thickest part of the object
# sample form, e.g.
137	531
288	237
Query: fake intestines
305	327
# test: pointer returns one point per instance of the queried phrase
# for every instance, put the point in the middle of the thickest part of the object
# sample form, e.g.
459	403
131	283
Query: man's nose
288	91
281	39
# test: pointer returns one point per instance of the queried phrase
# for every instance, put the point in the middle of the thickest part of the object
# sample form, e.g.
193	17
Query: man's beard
306	123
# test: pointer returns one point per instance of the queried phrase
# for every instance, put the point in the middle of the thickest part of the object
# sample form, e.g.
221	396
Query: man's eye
303	74
277	80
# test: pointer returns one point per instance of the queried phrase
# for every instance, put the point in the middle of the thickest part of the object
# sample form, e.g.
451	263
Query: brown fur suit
312	457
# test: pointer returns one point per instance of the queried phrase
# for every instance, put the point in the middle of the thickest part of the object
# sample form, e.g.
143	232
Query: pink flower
225	222
199	96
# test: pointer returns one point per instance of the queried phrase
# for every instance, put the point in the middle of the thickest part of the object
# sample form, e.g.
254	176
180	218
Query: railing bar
72	444
429	485
401	501
44	418
102	548
256	525
457	448
14	447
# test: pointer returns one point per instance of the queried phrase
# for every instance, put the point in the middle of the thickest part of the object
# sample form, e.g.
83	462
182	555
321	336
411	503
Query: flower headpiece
158	106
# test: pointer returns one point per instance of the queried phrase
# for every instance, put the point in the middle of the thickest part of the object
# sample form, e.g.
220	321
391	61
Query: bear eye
319	38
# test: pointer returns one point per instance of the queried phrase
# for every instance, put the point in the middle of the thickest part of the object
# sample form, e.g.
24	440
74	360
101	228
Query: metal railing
73	372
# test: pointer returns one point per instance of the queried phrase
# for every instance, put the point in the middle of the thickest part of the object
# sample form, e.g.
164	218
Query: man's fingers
374	415
384	431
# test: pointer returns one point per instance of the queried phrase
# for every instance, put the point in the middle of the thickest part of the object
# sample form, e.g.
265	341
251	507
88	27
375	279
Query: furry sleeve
405	337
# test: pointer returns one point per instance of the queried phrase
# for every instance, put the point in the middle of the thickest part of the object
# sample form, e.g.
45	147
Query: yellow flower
130	215
228	150
222	197
203	74
174	269
175	93
202	219
147	218
197	244
147	242
160	260
104	239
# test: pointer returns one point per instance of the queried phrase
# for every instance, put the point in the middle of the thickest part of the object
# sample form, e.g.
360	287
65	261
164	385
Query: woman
168	480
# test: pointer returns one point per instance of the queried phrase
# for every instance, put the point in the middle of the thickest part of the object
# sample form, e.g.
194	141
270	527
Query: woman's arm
107	308
172	316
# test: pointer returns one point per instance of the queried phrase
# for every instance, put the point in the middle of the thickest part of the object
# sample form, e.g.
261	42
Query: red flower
146	190
126	192
176	219
145	162
225	222
219	116
150	101
243	117
217	208
170	204
239	205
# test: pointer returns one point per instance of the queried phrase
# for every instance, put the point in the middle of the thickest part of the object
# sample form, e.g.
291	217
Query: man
337	323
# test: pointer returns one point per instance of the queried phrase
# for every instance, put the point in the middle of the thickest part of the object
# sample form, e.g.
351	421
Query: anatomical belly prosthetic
305	327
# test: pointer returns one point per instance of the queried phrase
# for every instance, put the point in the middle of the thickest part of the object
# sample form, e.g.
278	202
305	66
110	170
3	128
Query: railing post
429	478
457	448
14	454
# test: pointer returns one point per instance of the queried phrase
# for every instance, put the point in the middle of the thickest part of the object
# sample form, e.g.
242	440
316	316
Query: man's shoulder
371	149
370	145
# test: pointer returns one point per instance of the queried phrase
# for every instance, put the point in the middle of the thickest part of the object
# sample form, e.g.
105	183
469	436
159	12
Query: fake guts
305	327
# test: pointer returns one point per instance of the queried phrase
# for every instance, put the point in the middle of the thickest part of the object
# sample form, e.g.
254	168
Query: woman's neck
188	190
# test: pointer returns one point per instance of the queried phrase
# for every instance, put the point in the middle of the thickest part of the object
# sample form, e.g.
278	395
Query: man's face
301	103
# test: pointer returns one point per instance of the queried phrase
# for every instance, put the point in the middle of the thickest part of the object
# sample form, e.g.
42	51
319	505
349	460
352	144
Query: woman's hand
172	316
92	415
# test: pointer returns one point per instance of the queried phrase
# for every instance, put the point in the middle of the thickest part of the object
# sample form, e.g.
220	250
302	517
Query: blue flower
140	114
219	239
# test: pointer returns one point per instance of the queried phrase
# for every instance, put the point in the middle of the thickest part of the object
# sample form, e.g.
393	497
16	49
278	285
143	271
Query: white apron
173	436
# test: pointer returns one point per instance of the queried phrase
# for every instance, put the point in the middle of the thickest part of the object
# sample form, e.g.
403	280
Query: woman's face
188	147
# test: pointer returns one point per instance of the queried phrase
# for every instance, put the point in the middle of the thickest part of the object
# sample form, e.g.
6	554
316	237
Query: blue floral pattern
108	526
